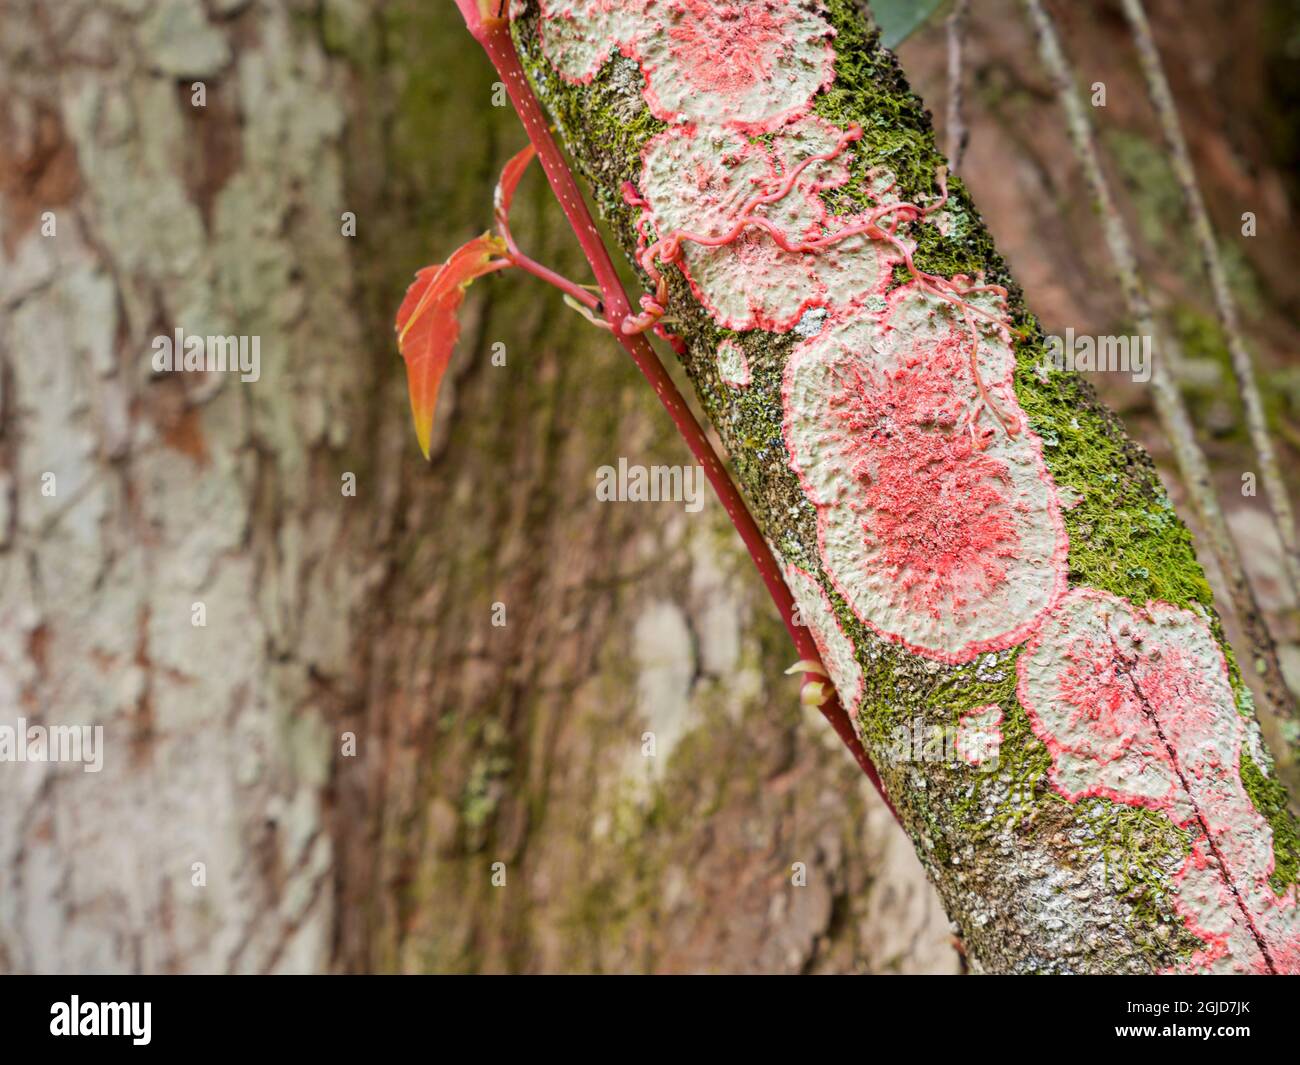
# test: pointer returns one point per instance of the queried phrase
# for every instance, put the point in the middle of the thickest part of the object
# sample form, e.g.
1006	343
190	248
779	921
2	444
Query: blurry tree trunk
231	828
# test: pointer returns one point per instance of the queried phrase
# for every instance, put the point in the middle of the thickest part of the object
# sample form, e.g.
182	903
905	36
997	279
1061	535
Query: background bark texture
329	613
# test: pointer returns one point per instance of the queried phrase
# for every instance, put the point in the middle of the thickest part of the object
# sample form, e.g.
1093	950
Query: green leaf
899	19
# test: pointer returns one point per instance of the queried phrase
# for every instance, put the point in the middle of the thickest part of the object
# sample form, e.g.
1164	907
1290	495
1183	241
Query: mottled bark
1033	882
173	490
329	613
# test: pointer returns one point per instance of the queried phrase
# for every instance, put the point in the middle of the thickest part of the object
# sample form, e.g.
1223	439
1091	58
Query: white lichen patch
939	526
1135	706
800	141
696	182
816	611
579	36
810	324
733	366
699	181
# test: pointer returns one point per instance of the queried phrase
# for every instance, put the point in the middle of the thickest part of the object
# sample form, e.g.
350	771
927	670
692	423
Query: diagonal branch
958	134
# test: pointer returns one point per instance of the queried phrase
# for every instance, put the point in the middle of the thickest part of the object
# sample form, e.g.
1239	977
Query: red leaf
427	327
509	181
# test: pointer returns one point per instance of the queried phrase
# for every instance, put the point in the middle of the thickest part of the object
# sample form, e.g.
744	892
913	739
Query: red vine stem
493	33
545	273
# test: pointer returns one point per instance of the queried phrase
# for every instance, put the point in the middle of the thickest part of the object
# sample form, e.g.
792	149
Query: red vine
489	26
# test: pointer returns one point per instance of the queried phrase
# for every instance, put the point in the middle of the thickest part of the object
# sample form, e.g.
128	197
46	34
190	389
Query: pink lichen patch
699	181
940	529
733	366
750	64
856	266
979	735
1135	706
579	36
834	646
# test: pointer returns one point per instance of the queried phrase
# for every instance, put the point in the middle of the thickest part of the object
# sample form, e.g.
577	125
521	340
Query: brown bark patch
38	169
217	151
183	431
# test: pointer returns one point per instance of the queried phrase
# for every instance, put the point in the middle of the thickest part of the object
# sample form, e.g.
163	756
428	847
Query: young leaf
427	327
509	181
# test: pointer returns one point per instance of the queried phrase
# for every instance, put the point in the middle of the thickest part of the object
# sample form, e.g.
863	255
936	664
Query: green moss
1140	850
896	136
1149	177
1205	373
493	764
1200	337
1270	799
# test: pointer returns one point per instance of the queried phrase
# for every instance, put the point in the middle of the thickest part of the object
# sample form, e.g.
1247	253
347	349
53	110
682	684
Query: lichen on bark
1033	882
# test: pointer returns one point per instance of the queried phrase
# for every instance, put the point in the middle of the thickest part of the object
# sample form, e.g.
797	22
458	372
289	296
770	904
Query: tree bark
371	614
1047	864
